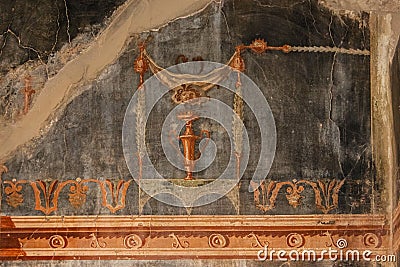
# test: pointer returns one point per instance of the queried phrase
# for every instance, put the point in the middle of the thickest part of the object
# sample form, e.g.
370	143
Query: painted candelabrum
194	92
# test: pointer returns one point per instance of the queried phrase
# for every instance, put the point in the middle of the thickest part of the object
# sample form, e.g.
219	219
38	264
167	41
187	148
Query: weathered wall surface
38	29
363	5
39	38
320	101
395	85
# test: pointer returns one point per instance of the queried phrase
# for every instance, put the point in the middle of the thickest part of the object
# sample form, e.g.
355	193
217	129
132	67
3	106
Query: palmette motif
326	193
113	194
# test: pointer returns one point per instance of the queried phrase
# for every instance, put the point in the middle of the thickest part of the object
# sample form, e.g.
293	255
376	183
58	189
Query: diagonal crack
5	35
226	21
258	2
331	87
3	45
27	47
67	17
330	118
20	44
330	31
58	29
313	18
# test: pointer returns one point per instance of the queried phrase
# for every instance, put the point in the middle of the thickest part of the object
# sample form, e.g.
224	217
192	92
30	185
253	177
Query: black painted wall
320	102
43	26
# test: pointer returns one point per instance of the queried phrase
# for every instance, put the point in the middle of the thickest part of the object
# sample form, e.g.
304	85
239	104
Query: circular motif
57	241
371	240
217	241
295	240
133	241
259	46
341	243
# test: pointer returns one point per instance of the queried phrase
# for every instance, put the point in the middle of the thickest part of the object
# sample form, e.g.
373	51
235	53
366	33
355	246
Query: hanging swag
191	86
